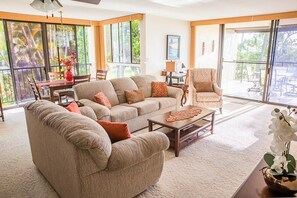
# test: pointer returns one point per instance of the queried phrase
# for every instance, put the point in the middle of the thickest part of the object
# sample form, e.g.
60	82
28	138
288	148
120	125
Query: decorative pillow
134	96
73	107
159	89
116	131
102	99
203	86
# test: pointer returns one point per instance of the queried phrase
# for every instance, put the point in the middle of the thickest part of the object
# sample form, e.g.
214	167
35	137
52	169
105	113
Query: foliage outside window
122	42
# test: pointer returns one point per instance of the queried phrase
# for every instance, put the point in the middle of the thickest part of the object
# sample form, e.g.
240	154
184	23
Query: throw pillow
102	99
116	131
134	96
73	107
159	89
203	86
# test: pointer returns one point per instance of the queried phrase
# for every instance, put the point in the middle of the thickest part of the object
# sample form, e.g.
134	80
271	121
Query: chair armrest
88	111
217	89
136	149
100	110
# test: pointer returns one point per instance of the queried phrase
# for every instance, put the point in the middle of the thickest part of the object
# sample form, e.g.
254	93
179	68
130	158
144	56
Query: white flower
280	164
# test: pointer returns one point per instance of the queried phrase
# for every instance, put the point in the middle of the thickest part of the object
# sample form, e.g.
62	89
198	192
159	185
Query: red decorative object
69	63
69	75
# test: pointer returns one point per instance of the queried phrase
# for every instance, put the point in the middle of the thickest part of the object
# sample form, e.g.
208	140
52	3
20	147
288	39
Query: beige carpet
213	166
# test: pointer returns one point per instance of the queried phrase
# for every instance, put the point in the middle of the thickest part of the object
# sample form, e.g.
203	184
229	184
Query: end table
184	87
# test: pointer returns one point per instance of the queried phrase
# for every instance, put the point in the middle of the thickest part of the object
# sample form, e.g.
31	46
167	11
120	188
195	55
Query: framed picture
173	47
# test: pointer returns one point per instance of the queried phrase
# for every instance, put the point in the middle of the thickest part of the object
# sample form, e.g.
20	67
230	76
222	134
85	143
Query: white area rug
213	166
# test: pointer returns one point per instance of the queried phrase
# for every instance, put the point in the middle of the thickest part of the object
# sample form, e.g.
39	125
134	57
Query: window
122	42
82	37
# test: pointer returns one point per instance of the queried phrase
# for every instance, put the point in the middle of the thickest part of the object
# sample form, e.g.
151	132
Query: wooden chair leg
221	110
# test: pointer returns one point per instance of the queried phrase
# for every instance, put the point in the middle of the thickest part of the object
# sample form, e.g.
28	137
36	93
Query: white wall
154	31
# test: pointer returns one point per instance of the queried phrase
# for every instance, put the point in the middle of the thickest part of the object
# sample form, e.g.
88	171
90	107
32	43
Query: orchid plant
283	128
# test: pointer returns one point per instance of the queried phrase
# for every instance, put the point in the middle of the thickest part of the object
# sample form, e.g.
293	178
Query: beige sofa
75	154
135	115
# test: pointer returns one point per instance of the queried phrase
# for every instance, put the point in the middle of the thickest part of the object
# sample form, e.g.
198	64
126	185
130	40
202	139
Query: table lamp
170	67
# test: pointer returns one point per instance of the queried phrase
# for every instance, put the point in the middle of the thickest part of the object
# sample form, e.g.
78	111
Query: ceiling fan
96	2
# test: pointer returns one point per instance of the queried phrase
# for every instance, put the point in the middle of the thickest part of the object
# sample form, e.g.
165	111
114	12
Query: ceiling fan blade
96	2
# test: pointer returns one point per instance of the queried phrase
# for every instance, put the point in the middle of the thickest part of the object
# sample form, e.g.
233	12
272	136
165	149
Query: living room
245	50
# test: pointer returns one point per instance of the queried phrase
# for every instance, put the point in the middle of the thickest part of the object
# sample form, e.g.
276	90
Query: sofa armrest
217	89
100	110
136	149
176	93
88	111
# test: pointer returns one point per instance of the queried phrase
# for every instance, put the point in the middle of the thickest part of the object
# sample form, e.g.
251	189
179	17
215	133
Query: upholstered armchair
204	89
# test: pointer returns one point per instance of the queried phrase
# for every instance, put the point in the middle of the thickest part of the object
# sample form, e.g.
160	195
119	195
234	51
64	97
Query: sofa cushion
122	84
144	107
134	96
159	89
164	102
102	99
116	131
144	82
121	113
207	97
90	89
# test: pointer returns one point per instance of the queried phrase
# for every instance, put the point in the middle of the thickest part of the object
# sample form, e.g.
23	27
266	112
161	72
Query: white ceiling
180	9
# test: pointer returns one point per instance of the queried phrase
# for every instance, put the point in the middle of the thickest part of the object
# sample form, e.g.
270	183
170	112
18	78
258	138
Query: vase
68	75
285	185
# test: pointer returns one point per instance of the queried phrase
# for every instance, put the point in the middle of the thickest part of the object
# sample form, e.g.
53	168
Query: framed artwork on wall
173	47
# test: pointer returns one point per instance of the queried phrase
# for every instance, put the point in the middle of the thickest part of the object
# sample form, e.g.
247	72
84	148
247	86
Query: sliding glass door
244	59
283	83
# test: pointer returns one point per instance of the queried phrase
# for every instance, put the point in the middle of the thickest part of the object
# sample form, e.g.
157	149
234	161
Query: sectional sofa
135	115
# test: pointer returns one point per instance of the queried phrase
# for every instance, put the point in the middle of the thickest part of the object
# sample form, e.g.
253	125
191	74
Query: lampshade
170	66
47	6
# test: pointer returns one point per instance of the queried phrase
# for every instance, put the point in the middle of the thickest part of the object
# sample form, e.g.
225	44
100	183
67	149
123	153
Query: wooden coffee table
183	132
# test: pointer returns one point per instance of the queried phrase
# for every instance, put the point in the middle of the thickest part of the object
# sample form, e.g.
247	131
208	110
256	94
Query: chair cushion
159	89
203	86
144	107
144	82
116	131
102	99
120	113
134	96
207	97
164	102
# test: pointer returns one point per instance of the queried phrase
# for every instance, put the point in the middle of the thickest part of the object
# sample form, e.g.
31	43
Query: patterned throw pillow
73	107
203	86
116	131
159	89
134	96
102	99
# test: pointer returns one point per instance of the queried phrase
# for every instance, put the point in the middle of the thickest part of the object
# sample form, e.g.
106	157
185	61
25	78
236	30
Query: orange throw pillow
134	96
203	86
73	108
102	99
159	89
116	131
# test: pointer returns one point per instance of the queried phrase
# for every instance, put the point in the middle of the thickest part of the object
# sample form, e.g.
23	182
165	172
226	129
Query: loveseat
135	115
76	156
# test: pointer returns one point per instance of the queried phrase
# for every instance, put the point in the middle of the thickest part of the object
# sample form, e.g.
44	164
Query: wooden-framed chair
35	90
1	107
81	79
101	74
65	93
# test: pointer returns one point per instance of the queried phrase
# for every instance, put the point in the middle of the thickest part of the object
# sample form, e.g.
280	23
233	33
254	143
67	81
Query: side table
184	87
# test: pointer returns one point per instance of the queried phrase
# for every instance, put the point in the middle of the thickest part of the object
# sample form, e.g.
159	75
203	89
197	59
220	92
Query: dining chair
81	79
35	90
64	93
101	74
1	107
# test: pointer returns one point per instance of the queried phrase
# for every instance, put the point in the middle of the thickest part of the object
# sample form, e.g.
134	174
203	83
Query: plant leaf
268	157
291	164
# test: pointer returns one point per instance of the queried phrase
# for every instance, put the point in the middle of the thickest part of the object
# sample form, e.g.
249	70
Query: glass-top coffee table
181	133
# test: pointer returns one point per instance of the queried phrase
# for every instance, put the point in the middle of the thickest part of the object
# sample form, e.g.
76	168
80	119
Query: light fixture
170	67
47	6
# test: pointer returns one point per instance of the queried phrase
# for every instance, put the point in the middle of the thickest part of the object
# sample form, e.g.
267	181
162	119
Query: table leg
52	94
176	142
212	123
150	126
